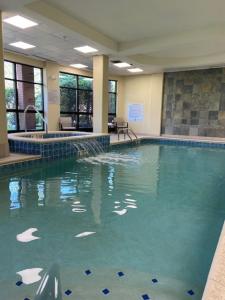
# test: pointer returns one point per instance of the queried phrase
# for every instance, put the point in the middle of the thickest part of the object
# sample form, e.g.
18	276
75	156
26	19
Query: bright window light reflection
41	193
14	189
67	191
111	177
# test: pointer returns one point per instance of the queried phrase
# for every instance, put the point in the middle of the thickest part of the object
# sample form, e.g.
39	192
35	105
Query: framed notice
135	112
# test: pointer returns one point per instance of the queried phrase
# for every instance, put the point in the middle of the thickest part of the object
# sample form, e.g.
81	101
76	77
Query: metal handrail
127	131
37	111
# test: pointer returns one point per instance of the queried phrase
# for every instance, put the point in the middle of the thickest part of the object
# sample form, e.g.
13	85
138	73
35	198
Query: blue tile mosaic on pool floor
19	283
106	291
190	292
68	292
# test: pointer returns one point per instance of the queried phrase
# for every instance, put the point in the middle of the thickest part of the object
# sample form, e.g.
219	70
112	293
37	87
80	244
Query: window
76	94
23	86
112	100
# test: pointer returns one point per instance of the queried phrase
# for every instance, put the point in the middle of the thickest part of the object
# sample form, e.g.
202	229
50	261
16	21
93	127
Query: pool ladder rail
38	112
129	132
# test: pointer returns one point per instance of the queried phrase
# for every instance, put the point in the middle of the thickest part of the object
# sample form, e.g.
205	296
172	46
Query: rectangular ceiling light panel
20	22
22	45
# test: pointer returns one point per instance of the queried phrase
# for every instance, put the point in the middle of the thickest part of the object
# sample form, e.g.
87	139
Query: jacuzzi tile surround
57	145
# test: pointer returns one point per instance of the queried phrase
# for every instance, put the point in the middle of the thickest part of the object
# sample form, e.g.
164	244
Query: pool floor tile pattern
106	291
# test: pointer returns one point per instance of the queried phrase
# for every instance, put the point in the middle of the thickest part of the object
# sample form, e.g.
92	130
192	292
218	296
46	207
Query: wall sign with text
135	112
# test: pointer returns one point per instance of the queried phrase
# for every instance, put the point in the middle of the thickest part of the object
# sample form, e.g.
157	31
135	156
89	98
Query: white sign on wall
135	112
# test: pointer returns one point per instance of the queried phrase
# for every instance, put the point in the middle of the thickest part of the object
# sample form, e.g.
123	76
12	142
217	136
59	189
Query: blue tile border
65	149
55	149
191	143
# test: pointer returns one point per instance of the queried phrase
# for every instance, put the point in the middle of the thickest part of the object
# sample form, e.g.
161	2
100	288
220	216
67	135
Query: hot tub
54	144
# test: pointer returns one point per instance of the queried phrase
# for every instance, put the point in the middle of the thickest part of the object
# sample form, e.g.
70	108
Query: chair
121	126
67	123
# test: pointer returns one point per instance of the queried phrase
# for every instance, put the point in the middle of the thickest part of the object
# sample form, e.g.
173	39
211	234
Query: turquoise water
153	211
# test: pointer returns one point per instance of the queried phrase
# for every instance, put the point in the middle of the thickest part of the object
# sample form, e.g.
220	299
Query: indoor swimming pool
138	222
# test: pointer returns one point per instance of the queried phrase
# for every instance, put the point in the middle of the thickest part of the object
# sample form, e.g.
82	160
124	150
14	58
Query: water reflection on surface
64	200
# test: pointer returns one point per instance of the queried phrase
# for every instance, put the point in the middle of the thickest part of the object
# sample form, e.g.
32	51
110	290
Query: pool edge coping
21	136
215	284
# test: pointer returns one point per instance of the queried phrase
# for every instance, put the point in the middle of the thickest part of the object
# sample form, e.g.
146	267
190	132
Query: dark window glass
85	83
37	75
10	94
29	94
112	86
110	118
85	101
11	121
112	103
24	73
33	121
77	99
67	80
85	121
23	86
74	117
68	100
9	70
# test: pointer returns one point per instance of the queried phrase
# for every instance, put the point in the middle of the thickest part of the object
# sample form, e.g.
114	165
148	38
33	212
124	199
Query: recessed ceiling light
86	49
122	65
79	66
20	22
22	45
135	70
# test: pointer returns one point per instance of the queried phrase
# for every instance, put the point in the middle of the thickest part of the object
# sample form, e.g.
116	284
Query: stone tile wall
194	103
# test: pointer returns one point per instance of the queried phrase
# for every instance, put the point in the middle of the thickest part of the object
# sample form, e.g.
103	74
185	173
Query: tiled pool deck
215	286
17	158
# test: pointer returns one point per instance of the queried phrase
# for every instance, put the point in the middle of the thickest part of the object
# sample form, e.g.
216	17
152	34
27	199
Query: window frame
115	94
77	89
18	110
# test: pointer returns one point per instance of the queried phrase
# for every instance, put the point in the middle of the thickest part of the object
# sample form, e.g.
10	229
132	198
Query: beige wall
146	90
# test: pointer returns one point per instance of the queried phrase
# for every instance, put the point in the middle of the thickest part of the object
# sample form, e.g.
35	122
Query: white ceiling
130	20
155	35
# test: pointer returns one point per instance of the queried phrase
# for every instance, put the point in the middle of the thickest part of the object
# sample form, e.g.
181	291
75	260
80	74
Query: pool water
149	212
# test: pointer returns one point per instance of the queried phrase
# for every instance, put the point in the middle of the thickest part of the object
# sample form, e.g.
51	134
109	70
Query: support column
100	94
4	146
52	96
